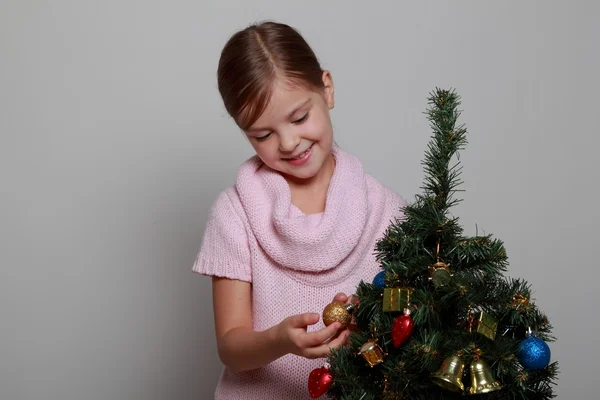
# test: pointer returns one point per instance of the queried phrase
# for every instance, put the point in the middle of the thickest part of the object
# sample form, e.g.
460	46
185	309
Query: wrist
277	340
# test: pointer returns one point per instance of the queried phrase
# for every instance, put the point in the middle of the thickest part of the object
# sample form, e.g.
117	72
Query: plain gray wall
114	143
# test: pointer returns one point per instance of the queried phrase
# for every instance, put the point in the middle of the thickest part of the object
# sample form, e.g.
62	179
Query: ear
328	89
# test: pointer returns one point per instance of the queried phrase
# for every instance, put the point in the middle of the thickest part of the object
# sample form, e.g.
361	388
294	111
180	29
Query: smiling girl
299	226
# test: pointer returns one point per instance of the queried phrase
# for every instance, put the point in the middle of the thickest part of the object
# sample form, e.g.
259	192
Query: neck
322	177
309	194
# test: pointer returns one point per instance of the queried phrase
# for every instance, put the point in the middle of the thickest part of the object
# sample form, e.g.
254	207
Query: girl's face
294	134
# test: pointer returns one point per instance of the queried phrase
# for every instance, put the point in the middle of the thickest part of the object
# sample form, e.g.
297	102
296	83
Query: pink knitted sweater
295	262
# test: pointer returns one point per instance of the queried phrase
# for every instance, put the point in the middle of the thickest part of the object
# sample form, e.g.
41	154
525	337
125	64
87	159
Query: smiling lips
302	158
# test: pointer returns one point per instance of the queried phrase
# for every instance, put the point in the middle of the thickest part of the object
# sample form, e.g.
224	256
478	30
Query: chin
300	176
304	173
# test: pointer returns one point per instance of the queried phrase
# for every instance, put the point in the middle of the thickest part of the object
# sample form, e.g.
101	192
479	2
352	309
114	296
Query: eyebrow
304	103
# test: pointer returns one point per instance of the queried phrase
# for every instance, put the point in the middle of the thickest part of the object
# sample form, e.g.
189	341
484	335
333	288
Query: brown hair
251	61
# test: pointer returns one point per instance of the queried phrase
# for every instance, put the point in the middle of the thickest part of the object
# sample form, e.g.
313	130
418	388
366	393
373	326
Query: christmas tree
440	320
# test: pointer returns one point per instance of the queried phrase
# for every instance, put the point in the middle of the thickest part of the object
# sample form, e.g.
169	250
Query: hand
347	299
343	298
294	338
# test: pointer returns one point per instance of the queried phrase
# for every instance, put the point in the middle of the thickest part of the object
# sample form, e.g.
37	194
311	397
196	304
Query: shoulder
227	206
390	197
379	194
228	202
225	251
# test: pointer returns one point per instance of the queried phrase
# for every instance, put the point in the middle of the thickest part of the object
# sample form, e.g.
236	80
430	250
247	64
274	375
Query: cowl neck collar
305	242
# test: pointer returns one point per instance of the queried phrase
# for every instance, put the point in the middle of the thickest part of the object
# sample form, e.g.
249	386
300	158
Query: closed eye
263	138
296	122
301	120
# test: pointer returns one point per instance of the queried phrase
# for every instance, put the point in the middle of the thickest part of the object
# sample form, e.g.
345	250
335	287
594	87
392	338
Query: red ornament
319	381
402	328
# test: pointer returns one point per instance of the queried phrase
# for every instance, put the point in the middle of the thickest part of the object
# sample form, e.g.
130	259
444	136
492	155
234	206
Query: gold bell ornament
450	374
482	379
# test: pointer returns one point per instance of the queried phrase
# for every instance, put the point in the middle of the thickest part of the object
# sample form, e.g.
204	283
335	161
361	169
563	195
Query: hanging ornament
483	323
439	272
533	353
319	381
396	299
379	280
450	374
482	379
372	352
402	328
338	311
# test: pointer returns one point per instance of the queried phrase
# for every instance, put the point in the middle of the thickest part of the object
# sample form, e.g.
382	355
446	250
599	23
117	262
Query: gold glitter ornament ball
338	311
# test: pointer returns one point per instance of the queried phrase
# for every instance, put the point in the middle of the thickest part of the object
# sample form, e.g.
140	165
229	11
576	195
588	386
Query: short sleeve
225	250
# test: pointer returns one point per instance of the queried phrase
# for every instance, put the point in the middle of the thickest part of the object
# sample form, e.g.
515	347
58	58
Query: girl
299	225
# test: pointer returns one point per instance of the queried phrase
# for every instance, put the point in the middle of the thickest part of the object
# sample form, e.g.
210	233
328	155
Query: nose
288	141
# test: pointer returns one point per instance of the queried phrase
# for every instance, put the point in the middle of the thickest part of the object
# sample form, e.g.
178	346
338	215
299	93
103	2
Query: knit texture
295	262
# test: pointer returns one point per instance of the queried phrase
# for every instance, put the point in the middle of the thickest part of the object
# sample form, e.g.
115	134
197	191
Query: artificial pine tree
441	321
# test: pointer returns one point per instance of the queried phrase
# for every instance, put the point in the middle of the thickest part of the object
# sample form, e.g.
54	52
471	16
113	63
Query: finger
321	336
324	349
342	339
340	297
304	320
317	352
337	335
330	338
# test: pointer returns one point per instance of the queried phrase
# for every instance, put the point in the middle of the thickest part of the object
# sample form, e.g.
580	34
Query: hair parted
254	58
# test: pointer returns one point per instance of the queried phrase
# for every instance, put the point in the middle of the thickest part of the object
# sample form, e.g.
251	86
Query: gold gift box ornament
396	299
484	324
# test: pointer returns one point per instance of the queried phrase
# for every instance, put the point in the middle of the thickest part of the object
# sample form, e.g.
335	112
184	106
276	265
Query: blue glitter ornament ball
533	353
379	280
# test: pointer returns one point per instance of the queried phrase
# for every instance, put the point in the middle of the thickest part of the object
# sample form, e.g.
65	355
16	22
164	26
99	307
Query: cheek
319	127
267	151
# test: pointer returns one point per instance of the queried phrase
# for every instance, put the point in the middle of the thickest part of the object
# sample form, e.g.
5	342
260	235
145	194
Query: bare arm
241	348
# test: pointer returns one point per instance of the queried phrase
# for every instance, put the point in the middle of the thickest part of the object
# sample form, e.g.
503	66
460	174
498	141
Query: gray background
114	143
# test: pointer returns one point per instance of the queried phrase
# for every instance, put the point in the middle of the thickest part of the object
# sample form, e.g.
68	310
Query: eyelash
297	122
301	120
263	138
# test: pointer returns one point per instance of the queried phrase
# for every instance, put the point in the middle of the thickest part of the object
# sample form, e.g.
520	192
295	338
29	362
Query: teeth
303	154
